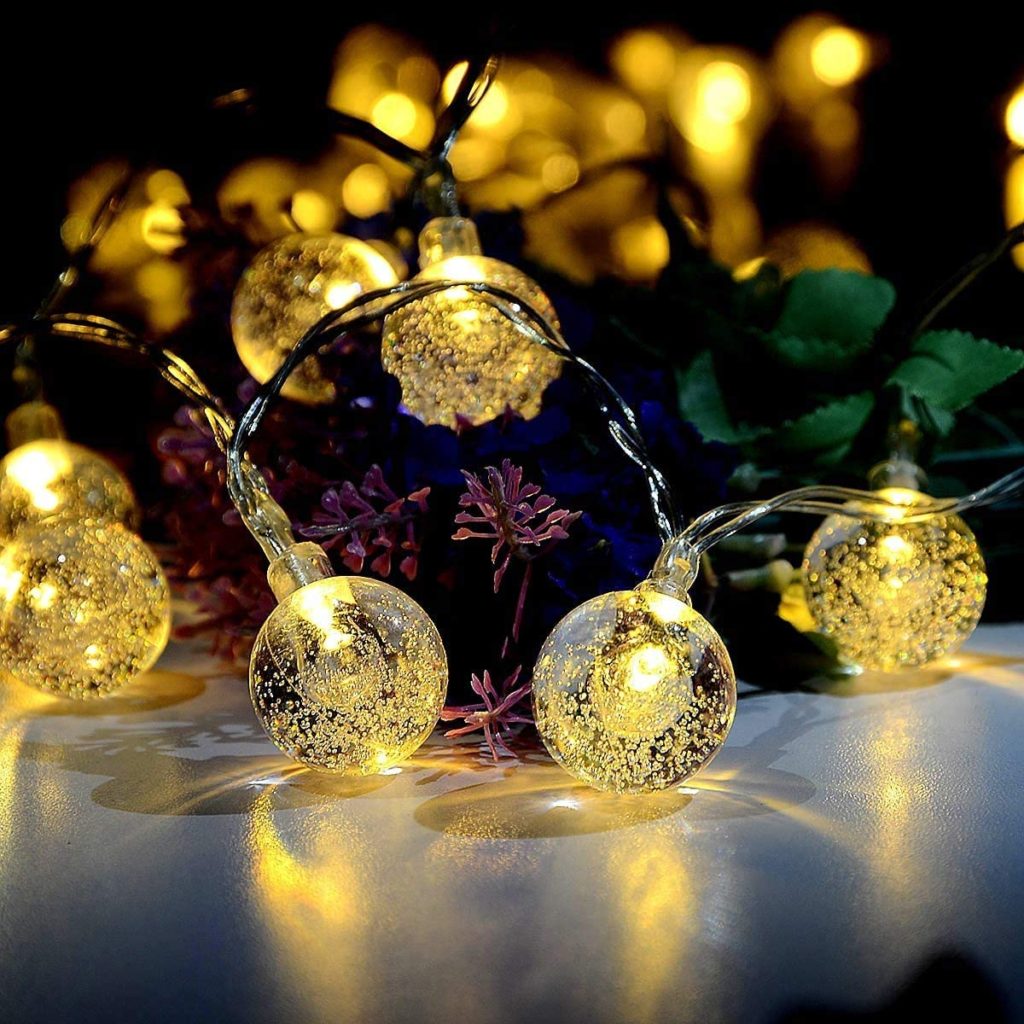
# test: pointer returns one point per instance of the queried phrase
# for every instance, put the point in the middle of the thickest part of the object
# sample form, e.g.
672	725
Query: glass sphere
287	288
84	608
456	355
348	675
51	477
634	691
895	595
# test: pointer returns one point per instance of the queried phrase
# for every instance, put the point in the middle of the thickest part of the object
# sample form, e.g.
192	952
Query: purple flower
370	522
522	523
499	710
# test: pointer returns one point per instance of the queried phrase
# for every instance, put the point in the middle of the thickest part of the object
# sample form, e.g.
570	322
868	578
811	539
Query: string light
634	690
84	607
894	595
455	355
50	476
347	674
286	289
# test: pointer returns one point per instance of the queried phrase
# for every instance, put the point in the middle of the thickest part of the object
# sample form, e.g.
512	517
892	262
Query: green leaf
813	353
949	369
837	306
829	429
702	403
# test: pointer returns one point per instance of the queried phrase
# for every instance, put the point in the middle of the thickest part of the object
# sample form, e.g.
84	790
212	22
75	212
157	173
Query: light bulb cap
297	566
675	570
897	472
33	421
444	237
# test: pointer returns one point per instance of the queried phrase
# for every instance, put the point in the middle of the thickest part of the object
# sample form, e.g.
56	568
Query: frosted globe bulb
286	289
348	674
84	608
50	477
895	595
454	353
634	691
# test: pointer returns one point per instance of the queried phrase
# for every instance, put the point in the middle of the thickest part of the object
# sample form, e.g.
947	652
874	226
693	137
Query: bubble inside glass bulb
453	352
84	608
287	288
634	691
895	595
348	675
51	477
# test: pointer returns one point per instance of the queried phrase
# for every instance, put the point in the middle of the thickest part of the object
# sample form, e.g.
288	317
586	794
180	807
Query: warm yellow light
1015	117
896	546
107	605
36	469
49	476
452	80
492	109
835	123
418	76
162	227
166	186
475	158
395	114
640	248
160	281
559	172
41	597
286	289
1014	202
644	59
348	675
839	55
454	353
723	92
647	667
313	211
625	122
10	581
341	293
892	594
365	191
633	691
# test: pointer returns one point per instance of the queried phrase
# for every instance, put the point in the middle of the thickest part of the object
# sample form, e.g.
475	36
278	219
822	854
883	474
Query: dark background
927	196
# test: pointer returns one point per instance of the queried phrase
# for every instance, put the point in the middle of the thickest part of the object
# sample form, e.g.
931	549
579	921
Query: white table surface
159	861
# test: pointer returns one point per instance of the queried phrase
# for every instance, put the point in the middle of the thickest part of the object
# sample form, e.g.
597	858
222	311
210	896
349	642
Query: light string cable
703	532
109	333
480	74
621	420
26	368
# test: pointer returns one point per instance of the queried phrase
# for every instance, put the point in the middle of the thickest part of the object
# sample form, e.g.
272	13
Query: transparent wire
707	530
264	518
371	306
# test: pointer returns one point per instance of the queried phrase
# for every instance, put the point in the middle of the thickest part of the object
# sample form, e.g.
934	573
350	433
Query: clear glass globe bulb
84	608
895	595
52	477
287	288
634	691
453	352
348	675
